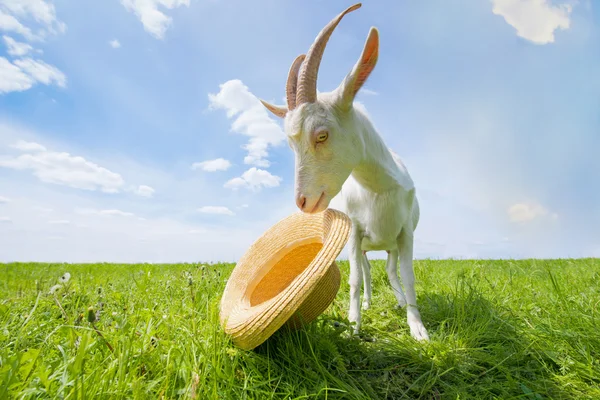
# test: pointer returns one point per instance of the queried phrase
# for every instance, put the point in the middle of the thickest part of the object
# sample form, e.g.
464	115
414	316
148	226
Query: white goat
338	151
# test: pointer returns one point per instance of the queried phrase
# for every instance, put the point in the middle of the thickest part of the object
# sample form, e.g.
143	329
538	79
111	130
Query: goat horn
307	82
292	81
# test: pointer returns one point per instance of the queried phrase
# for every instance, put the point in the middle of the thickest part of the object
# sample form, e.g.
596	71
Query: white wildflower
54	288
65	278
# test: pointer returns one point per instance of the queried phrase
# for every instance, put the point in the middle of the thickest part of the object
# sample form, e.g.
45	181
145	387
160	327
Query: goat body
379	197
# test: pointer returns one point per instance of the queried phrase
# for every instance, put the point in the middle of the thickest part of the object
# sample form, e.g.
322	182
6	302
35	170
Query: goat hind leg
392	271
366	268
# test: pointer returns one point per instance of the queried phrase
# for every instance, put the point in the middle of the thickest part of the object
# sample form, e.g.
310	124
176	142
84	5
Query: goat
339	152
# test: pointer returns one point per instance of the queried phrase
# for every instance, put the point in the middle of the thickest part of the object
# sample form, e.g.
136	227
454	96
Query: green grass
499	330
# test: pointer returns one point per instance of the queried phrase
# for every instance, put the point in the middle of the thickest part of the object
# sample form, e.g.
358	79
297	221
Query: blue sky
130	129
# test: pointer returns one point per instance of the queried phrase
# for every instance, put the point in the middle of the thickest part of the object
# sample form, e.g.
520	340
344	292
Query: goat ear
277	110
361	70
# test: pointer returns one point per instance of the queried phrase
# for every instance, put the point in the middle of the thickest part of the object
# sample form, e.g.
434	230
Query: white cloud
254	179
23	74
4	200
534	20
9	23
16	49
368	92
12	79
38	12
41	72
5	220
144	191
154	20
220	164
526	212
28	146
59	222
252	120
111	212
216	210
115	44
65	169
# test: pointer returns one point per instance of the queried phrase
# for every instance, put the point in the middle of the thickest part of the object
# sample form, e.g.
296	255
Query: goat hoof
419	333
355	330
366	305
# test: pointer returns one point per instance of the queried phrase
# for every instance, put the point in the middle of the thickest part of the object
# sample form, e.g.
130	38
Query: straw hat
287	277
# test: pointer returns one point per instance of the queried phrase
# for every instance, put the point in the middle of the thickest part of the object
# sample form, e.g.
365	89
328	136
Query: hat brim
288	275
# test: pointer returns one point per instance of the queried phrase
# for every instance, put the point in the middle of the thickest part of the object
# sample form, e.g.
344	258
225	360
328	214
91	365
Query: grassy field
499	330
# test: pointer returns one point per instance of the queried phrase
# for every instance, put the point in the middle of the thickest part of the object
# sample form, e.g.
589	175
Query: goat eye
322	136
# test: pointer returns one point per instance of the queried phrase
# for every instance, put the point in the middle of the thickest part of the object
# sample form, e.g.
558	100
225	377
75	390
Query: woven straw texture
287	277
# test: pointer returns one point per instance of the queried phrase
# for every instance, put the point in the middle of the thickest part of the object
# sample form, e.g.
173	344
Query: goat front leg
355	259
366	268
405	245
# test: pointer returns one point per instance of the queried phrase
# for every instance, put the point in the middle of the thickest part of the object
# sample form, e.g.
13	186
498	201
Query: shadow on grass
476	351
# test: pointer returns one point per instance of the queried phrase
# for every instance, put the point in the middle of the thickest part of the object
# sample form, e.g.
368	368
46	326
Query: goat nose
300	201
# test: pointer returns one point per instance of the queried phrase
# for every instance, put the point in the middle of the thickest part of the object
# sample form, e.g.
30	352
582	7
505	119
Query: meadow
501	329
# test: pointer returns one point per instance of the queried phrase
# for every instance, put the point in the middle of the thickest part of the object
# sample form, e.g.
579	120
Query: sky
130	130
